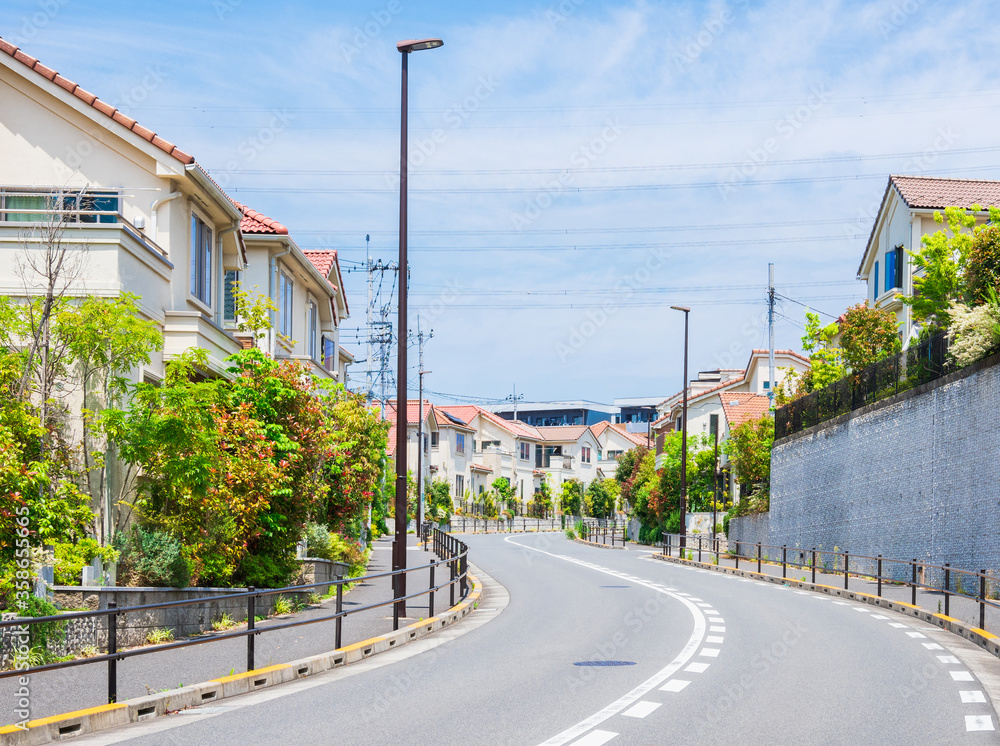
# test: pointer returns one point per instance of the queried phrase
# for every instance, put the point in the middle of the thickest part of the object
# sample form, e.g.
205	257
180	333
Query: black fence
453	555
919	364
981	587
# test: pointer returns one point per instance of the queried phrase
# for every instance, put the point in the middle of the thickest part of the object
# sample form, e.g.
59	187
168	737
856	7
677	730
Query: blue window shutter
876	283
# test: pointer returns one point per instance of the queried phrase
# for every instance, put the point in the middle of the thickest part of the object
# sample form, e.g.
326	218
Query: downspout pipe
154	207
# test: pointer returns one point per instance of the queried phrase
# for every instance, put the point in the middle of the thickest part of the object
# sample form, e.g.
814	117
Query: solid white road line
674	685
657	679
595	738
641	709
975	697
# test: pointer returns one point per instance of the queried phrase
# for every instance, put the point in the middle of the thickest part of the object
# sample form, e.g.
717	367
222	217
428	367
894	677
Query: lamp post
399	545
684	428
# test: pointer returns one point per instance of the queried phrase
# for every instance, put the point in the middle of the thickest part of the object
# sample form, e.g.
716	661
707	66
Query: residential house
732	400
905	215
613	440
144	217
430	431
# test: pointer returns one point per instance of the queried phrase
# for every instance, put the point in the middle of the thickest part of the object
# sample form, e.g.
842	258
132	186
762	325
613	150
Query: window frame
202	260
286	293
460	443
312	314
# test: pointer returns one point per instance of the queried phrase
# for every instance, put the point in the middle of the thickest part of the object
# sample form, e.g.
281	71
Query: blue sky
577	167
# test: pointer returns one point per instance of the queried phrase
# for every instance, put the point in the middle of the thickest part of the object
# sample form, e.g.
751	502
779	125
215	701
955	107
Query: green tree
983	262
600	498
868	335
505	493
749	450
942	276
824	356
571	497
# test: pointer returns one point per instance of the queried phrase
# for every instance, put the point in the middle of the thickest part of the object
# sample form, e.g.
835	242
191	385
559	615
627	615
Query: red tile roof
742	407
637	438
324	260
412	417
480	467
255	222
467	412
792	353
91	100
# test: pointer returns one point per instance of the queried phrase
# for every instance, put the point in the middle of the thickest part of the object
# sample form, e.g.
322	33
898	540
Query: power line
541	188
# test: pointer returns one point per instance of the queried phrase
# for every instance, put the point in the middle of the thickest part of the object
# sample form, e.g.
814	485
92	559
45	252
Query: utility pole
514	397
370	317
770	333
420	428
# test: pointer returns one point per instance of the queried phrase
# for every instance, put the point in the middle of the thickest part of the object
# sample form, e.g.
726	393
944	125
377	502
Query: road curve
699	658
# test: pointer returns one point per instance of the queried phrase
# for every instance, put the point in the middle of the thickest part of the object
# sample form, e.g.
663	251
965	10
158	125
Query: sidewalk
963	609
65	690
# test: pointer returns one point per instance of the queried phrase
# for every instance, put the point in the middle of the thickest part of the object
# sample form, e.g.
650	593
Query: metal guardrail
919	364
453	554
981	587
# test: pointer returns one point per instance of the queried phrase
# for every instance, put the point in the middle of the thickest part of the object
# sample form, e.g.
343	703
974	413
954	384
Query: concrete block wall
913	476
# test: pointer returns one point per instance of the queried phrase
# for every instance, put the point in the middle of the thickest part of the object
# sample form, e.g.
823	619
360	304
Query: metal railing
604	531
519	524
454	555
919	364
982	587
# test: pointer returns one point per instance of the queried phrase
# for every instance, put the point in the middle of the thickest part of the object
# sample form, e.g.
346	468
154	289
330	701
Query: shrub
40	635
973	332
151	558
318	542
283	606
267	572
72	558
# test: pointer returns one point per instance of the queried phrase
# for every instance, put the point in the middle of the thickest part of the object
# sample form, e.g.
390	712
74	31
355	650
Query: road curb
94	719
980	637
595	544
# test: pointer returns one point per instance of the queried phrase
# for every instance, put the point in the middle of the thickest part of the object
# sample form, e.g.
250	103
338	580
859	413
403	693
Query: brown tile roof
255	222
792	353
743	407
91	100
467	412
562	432
925	192
480	467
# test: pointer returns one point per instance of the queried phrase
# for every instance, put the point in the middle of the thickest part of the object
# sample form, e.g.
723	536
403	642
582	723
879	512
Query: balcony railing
919	364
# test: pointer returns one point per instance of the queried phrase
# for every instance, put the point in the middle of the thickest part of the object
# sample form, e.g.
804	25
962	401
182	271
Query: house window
894	268
614	455
585	454
459	442
713	422
285	288
201	260
484	444
229	296
525	451
600	455
875	298
434	438
313	331
329	354
77	207
677	424
459	485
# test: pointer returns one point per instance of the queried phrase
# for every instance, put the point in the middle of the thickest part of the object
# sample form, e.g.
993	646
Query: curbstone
94	719
980	637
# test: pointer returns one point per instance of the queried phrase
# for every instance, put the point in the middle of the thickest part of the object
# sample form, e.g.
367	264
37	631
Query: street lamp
399	545
684	427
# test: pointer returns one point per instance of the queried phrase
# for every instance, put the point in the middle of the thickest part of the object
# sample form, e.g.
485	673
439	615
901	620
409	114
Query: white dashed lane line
674	685
641	709
595	738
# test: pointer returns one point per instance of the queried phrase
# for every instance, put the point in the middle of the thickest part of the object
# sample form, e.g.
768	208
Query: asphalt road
706	659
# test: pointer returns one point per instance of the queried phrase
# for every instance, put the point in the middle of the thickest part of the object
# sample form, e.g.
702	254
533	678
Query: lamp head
415	45
681	308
